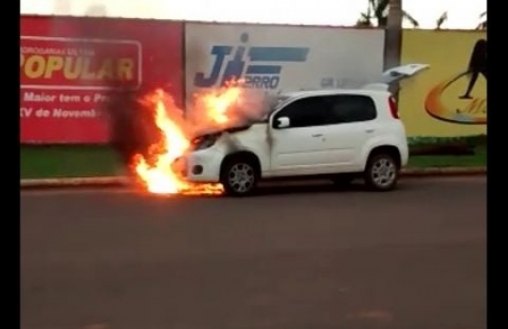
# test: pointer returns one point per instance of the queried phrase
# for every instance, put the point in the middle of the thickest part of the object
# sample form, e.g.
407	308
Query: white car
341	134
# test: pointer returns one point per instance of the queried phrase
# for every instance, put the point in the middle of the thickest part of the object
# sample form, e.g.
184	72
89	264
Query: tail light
394	110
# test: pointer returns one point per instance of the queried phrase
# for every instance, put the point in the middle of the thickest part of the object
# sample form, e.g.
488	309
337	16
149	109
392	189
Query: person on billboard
477	66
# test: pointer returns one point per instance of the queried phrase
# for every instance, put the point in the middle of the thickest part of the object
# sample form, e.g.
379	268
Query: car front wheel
239	177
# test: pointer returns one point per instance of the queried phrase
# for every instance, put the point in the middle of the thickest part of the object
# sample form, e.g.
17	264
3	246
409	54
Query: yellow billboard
450	98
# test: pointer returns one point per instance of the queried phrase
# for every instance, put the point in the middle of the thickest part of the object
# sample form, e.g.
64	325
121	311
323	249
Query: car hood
217	132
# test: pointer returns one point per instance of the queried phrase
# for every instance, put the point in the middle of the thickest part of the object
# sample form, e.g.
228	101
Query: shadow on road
313	187
265	189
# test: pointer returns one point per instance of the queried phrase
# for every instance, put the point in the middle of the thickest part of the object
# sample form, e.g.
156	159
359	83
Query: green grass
69	161
473	140
477	142
86	161
478	159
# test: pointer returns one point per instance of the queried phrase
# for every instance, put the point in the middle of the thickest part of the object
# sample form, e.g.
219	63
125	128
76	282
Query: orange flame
217	104
157	172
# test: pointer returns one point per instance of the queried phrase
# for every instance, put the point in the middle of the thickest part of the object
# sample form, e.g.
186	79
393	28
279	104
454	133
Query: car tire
381	172
239	176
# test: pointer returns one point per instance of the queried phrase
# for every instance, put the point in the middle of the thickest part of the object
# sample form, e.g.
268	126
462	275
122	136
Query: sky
462	14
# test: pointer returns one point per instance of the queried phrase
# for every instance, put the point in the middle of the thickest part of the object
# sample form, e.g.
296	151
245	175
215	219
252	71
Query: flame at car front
156	169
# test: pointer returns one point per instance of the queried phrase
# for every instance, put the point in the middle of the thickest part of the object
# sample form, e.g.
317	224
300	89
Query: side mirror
283	122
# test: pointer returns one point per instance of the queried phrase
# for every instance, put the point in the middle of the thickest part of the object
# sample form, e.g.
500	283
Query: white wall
335	57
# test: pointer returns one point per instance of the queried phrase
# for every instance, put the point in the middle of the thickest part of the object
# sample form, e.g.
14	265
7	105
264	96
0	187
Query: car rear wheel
381	172
239	177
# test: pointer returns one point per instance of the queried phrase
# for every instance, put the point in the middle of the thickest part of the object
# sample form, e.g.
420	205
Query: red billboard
70	67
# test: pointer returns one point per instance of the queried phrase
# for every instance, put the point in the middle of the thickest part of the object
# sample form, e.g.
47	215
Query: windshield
277	100
274	102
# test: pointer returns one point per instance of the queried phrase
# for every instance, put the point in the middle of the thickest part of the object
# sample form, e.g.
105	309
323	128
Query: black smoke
132	126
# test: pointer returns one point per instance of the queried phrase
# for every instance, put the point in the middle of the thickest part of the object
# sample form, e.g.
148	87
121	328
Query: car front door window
305	112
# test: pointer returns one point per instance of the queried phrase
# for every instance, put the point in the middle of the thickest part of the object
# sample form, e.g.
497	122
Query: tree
393	36
389	15
379	10
483	24
441	20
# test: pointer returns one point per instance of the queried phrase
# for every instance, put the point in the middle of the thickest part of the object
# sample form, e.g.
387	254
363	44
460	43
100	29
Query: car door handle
317	135
370	131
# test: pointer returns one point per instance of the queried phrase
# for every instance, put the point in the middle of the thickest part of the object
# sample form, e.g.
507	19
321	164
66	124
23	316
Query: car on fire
341	134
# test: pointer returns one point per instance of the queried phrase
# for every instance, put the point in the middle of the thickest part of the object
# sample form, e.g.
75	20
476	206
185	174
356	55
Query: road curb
118	181
76	182
444	171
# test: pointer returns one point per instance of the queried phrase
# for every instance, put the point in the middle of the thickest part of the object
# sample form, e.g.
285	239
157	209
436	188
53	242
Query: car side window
304	112
328	110
352	108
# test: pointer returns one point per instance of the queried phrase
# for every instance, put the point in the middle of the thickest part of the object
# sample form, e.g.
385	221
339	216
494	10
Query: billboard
450	98
70	67
271	58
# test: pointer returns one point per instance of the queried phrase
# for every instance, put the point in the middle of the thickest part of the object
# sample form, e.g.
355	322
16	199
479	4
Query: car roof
330	92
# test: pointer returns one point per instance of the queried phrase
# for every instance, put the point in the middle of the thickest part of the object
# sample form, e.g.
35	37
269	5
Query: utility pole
393	35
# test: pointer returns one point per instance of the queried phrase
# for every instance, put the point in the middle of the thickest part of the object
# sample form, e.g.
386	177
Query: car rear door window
351	108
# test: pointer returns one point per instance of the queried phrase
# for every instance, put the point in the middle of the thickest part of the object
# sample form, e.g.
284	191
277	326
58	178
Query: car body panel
311	150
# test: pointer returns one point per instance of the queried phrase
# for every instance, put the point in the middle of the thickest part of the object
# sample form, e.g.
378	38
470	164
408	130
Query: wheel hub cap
383	172
241	177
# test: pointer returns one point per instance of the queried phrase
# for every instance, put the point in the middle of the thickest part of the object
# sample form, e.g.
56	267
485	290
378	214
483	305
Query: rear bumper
404	155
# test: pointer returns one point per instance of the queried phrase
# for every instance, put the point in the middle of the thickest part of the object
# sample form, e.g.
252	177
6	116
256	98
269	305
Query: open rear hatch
396	74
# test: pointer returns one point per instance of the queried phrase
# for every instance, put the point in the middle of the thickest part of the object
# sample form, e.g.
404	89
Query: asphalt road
299	258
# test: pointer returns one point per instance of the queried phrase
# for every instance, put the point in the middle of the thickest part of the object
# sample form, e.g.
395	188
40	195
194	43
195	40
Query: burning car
341	134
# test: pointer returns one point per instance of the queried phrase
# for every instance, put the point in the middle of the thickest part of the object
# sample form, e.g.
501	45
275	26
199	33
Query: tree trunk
393	36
